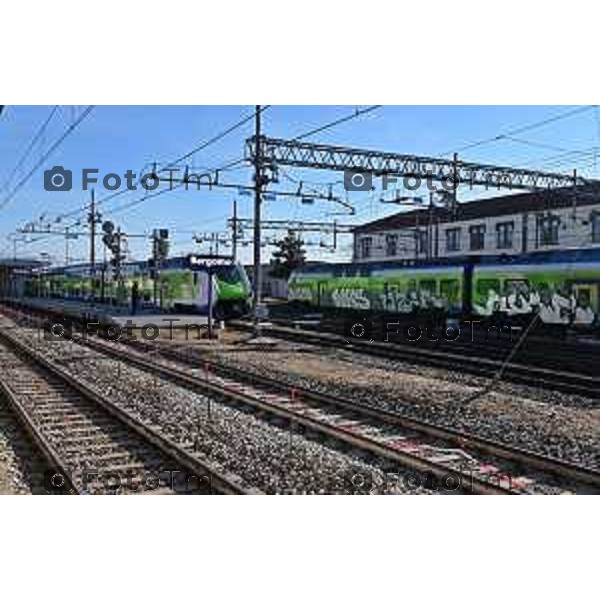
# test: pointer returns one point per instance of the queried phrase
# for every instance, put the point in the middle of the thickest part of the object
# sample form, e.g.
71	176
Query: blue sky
117	138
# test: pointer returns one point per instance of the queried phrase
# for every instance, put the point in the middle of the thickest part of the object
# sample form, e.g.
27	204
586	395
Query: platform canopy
22	263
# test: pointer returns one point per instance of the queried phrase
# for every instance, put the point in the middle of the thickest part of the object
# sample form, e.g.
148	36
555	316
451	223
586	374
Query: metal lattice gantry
275	152
299	226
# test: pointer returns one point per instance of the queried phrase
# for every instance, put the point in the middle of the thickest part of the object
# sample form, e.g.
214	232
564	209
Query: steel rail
571	383
226	484
525	458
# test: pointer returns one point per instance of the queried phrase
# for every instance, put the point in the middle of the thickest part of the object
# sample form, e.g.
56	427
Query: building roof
537	257
491	207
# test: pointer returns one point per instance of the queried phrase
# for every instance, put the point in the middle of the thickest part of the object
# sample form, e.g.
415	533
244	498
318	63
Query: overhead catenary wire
45	156
185	156
357	113
218	137
30	147
510	136
522	129
228	166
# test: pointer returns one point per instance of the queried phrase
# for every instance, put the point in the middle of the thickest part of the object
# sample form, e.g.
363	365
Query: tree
289	255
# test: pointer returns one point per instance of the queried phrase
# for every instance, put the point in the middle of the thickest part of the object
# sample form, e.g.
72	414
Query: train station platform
118	315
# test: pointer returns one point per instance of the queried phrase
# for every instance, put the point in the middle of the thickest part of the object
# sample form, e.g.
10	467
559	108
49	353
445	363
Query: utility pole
334	234
234	232
455	186
258	189
155	265
417	235
209	272
118	265
66	246
92	218
430	228
160	250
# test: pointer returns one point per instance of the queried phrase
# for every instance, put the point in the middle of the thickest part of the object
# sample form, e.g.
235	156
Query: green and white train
181	285
562	287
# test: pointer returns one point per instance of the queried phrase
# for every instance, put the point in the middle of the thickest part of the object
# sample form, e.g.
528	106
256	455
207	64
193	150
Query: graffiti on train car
554	306
354	298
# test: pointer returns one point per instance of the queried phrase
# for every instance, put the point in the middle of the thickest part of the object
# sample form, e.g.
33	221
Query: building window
548	228
391	244
477	237
453	239
366	244
422	242
504	235
595	219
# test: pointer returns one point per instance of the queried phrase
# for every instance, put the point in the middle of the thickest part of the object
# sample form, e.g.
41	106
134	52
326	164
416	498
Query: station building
503	225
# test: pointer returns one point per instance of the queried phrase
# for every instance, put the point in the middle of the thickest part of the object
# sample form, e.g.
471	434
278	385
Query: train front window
228	274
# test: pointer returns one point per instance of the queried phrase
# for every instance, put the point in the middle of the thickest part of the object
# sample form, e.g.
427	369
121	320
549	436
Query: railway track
21	464
476	362
476	464
478	338
92	445
480	465
280	466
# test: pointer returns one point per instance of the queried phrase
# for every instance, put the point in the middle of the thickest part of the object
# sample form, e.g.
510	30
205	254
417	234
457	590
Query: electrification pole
66	246
118	265
430	228
455	186
93	234
235	232
155	265
258	189
92	218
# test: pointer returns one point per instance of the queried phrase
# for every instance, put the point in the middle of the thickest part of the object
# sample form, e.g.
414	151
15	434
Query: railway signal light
162	249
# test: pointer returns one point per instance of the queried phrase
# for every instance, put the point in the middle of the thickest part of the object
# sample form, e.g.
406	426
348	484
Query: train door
320	294
588	293
517	298
586	303
467	291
